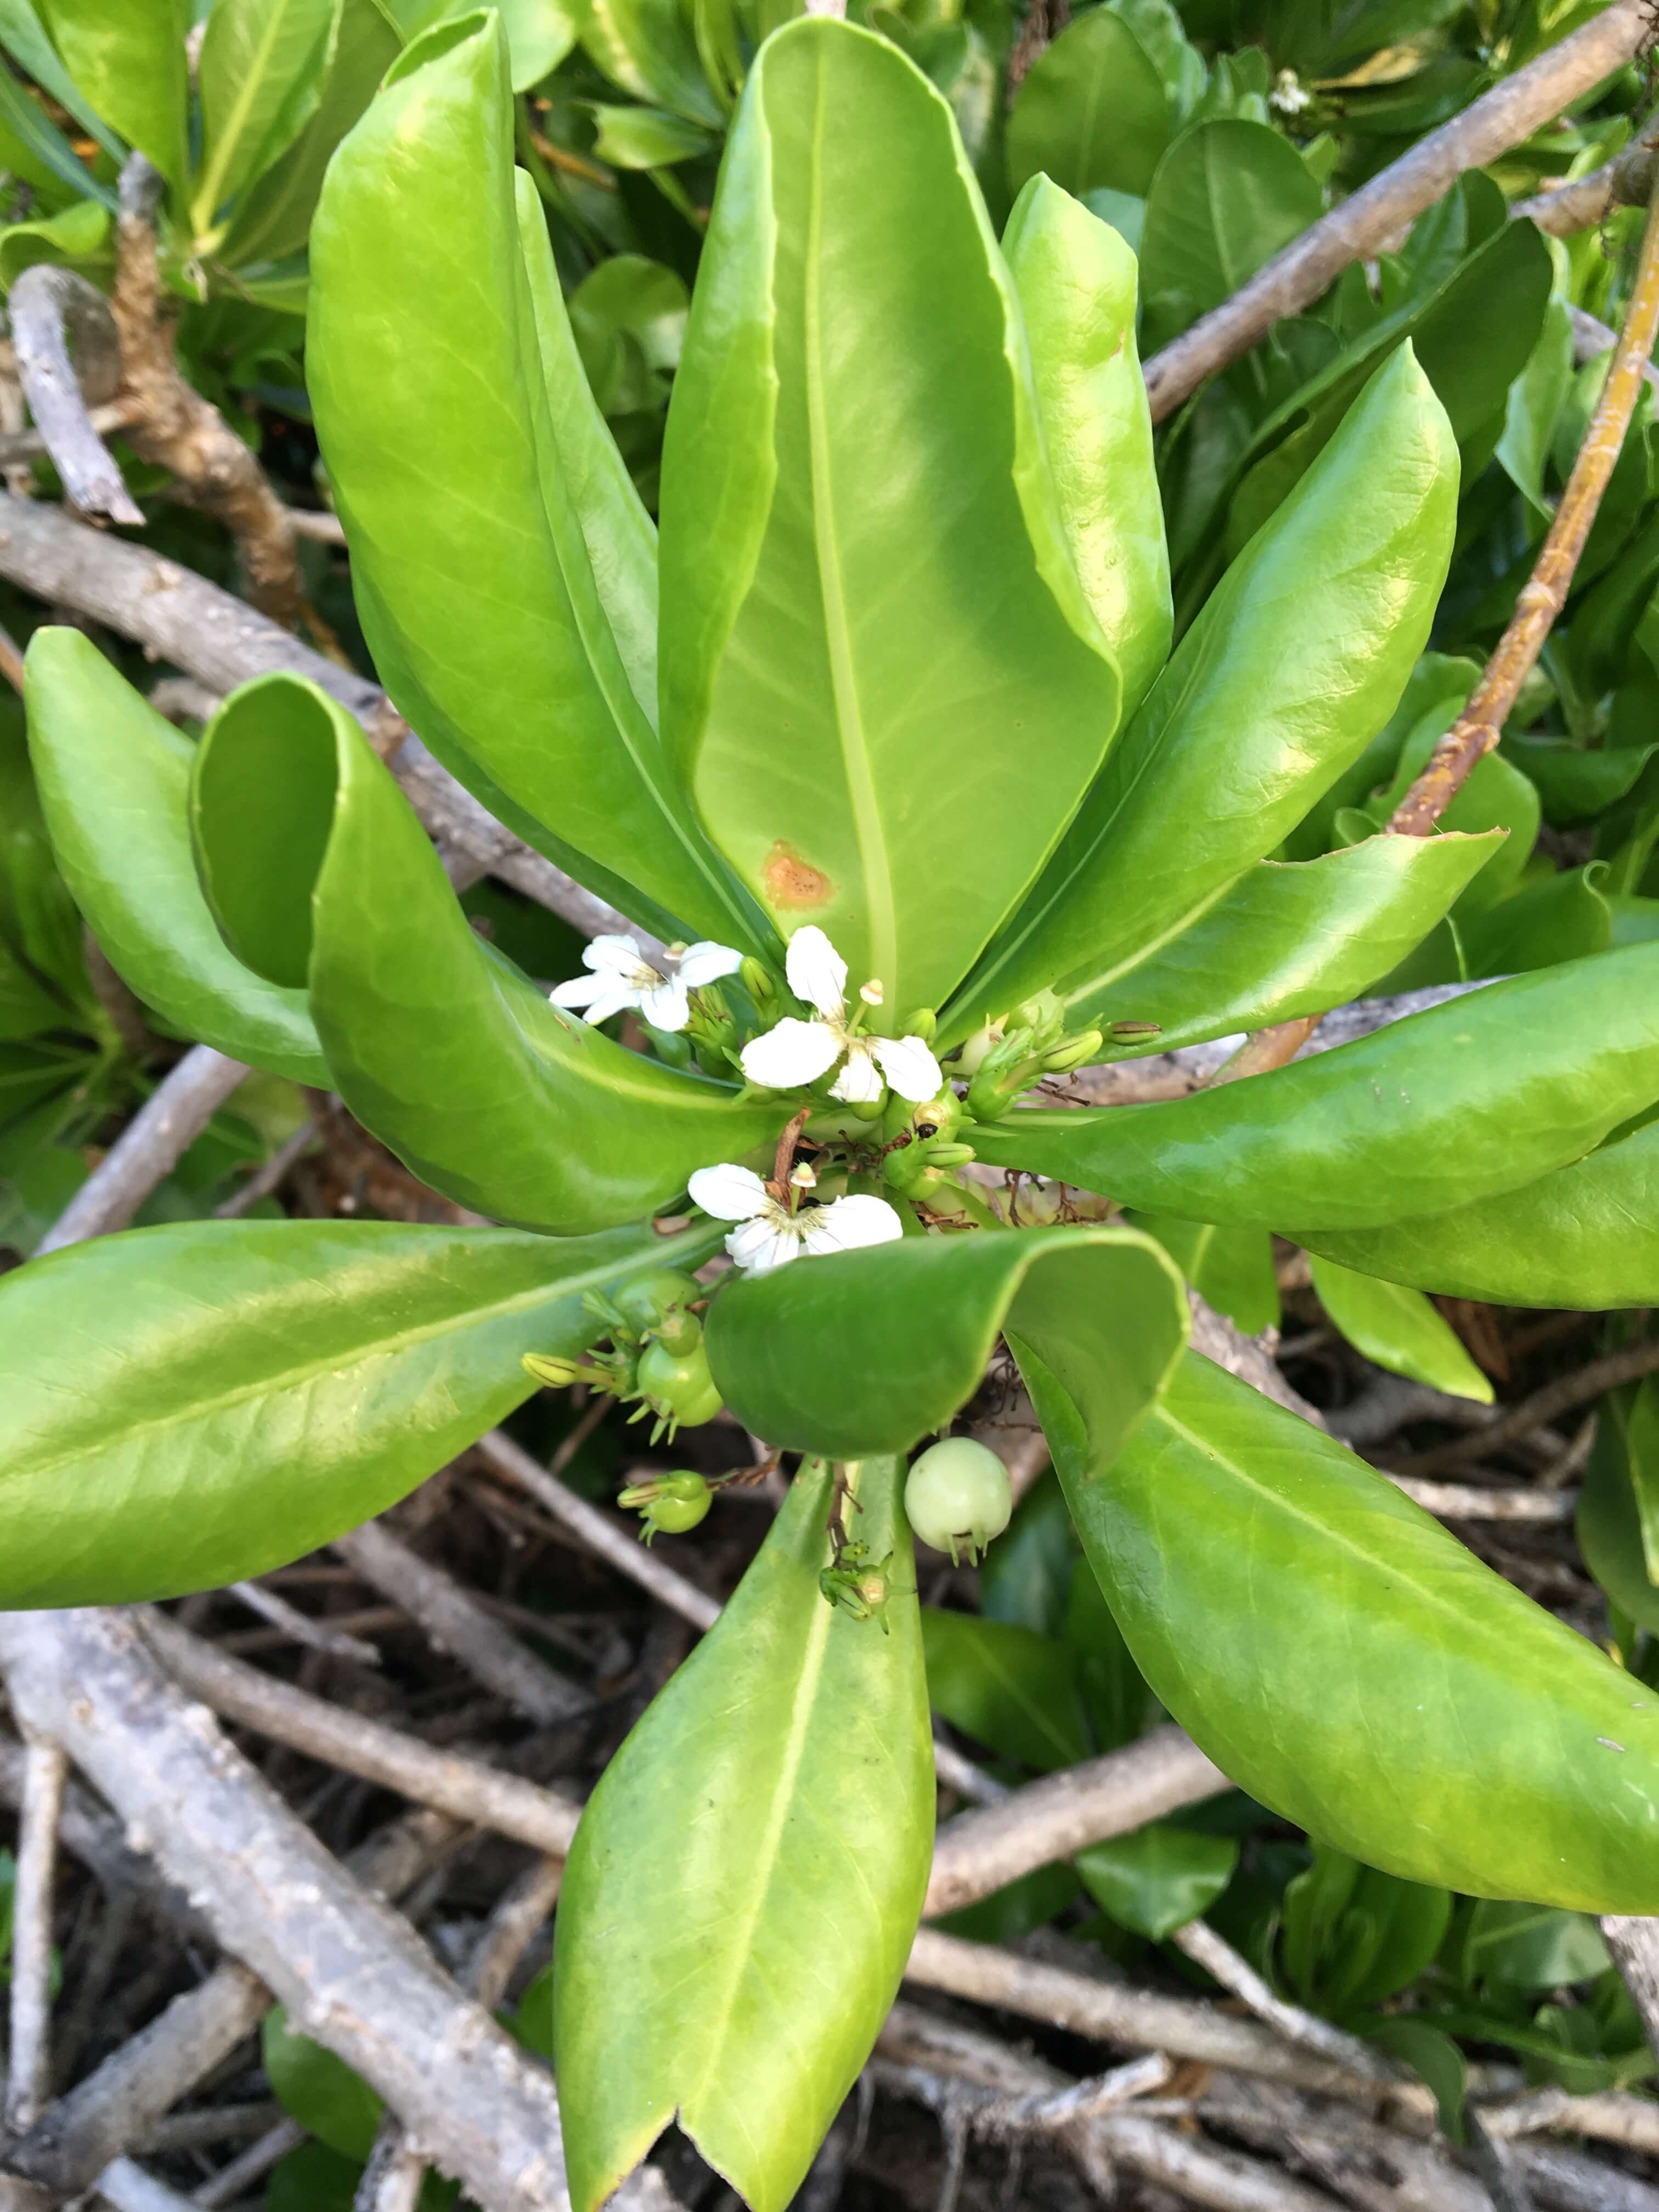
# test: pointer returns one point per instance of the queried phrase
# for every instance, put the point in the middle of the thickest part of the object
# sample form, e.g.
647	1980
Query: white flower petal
817	971
580	991
768	1242
791	1054
859	1083
851	1222
614	956
666	1007
706	963
909	1067
613	997
729	1192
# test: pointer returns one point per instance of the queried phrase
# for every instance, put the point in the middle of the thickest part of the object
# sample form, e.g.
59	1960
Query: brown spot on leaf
791	881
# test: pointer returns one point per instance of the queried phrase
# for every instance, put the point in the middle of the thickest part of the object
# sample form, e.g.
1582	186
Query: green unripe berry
958	1497
669	1503
676	1385
657	1304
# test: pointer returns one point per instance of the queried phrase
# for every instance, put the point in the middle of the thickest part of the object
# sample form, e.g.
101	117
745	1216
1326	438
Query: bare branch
1218	1960
350	1970
29	2082
1634	1944
464	1788
145	1152
1508	1424
1591	339
315	1634
982	1850
457	1624
46	308
1625	181
1362	224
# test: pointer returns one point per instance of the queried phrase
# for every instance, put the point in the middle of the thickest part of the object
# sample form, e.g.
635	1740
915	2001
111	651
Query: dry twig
29	2081
46	307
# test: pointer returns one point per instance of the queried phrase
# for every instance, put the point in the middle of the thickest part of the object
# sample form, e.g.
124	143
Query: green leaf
260	77
856	628
1557	917
1437	678
647	46
1010	1689
1159	1878
1399	1329
1433	2057
1529	1947
871	1350
1354	1936
1232	1268
1286	938
24	38
317	869
318	2089
26	1008
272	220
312	2178
1361	1649
1535	398
129	63
483	613
1076	282
647	137
1611	1524
1297	658
747	1877
1092	110
200	1403
37	150
1576	786
115	783
1496	795
1472	1098
1228	195
1026	1576
539	32
77	236
1587	1235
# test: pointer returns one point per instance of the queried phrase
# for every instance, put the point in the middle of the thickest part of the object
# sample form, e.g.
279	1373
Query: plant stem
1543	596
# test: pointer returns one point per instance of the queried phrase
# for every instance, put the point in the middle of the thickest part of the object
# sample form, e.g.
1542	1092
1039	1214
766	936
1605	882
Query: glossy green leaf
1399	1329
1353	1936
77	236
855	628
1297	660
1076	282
200	1403
427	350
1227	196
27	1006
1009	1688
1159	1878
539	32
1530	1946
1026	1576
114	782
1536	399
273	219
1436	678
1576	785
1377	1685
871	1350
129	62
1472	1098
1586	1236
260	77
647	137
24	38
746	1879
1286	938
1496	795
648	47
1092	110
318	869
1611	1525
1231	1268
36	150
1555	917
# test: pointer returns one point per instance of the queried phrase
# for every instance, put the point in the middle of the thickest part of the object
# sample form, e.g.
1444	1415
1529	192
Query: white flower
793	1053
622	977
1289	96
771	1235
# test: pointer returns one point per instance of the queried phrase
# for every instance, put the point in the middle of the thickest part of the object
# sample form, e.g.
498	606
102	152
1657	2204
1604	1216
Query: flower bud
922	1023
758	980
942	1154
979	1047
1075	1052
557	1374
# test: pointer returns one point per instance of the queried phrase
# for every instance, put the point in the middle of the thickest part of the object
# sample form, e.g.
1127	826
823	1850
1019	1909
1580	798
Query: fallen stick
464	1788
1362	225
350	1972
